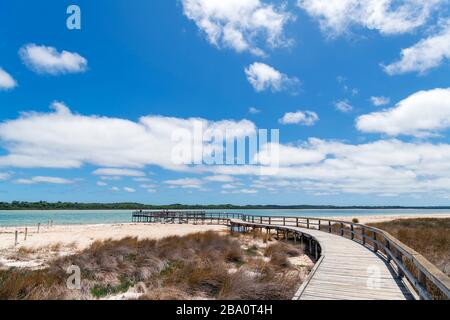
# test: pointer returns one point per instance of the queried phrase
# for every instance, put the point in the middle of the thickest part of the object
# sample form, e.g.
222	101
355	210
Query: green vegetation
43	205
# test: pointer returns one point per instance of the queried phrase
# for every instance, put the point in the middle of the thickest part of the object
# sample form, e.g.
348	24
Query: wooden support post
388	246
342	229
363	235
16	235
400	259
296	222
307	223
318	223
375	245
329	226
422	279
284	221
26	234
352	229
316	250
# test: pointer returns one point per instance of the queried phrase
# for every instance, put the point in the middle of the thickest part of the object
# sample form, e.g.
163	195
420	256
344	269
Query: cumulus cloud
343	106
263	77
118	172
101	184
7	82
424	113
43	179
129	190
380	167
243	25
62	139
427	54
338	17
307	118
380	101
43	59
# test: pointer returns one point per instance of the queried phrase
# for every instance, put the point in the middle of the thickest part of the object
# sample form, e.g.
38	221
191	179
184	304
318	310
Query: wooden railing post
318	224
363	236
400	260
284	221
329	226
375	245
342	229
296	222
352	229
307	223
388	254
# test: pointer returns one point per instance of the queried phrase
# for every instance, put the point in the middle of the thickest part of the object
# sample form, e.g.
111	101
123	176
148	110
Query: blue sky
312	69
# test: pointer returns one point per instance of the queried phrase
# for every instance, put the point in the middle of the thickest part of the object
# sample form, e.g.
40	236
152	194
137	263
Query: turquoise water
32	217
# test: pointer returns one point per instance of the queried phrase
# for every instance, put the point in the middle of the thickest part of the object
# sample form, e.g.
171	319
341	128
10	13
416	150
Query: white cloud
43	59
118	172
338	17
220	178
380	167
343	106
62	139
427	54
7	82
307	118
187	183
380	101
101	184
263	77
43	179
422	114
129	190
253	110
243	25
115	189
4	176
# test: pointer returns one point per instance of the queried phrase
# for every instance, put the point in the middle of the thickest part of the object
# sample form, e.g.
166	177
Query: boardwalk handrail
427	280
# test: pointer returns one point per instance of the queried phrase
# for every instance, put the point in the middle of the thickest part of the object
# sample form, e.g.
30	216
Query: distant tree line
44	205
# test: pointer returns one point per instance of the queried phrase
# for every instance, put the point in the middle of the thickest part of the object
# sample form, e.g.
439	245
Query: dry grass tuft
428	236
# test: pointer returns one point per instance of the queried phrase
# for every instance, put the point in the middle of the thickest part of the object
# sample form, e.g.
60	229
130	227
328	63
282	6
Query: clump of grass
102	290
428	236
355	220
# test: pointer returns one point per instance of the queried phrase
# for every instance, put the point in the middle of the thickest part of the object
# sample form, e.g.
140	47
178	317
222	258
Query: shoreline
363	219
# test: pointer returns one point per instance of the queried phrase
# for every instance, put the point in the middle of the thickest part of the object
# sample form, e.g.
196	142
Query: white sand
81	236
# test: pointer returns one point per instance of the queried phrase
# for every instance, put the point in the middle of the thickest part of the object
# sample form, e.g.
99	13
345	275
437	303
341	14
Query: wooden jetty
353	261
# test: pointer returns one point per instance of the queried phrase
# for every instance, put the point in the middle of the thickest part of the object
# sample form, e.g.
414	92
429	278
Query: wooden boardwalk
346	271
350	271
353	261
